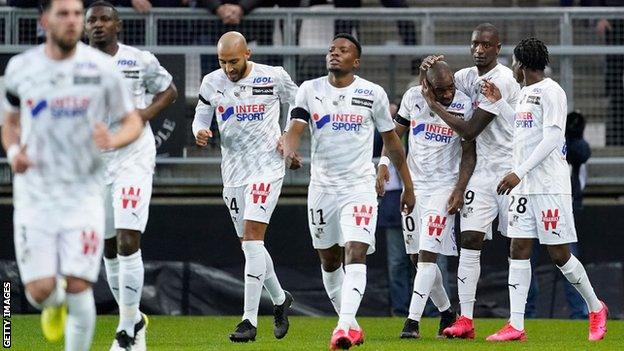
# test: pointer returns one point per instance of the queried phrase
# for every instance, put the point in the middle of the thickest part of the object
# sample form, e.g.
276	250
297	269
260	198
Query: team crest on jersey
362	102
362	214
550	218
436	225
434	132
250	112
524	120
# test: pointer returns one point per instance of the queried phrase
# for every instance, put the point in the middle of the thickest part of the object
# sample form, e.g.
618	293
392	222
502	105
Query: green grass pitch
309	333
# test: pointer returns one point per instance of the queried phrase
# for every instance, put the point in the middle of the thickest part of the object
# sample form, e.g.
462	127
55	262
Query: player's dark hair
487	27
352	39
532	54
104	3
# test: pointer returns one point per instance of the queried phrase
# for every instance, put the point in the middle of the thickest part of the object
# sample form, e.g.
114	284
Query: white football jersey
542	105
247	113
144	77
434	148
494	144
342	122
59	103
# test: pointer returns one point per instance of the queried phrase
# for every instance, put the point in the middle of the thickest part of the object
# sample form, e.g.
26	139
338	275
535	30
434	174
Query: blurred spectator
578	152
407	29
400	268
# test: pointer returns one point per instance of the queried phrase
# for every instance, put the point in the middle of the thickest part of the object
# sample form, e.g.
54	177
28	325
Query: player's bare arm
466	167
130	130
291	141
159	103
396	153
383	176
493	94
10	141
468	130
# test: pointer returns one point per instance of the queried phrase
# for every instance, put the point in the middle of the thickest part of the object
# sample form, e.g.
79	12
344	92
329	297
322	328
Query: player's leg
358	219
557	232
80	249
36	256
522	230
111	263
479	211
324	225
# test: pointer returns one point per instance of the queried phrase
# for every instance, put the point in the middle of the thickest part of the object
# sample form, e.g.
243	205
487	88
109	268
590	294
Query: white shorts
547	217
67	241
340	218
252	202
127	202
481	206
430	227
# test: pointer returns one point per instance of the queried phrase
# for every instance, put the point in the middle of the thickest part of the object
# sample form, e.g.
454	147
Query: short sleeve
407	103
301	100
554	108
11	99
287	89
381	112
118	97
156	77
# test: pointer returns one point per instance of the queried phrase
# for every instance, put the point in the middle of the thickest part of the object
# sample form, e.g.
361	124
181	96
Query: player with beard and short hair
541	193
342	110
246	97
59	97
129	172
494	136
440	164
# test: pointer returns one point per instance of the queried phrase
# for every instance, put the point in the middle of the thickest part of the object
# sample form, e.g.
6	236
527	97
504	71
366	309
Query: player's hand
202	137
408	199
293	160
141	6
427	63
427	93
383	176
603	26
455	201
490	91
20	162
509	182
280	145
103	139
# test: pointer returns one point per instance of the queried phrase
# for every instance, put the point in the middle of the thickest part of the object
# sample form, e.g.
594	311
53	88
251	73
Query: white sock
271	283
131	274
574	271
518	283
332	281
112	276
468	274
438	293
57	297
423	282
80	322
255	272
352	293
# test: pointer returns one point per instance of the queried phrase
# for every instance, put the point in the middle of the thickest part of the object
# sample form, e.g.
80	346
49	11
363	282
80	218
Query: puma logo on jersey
419	294
357	291
515	286
463	280
254	276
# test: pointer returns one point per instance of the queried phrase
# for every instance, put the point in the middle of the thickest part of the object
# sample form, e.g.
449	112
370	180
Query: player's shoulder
132	53
413	93
316	84
27	57
215	79
503	74
261	68
373	88
550	87
466	73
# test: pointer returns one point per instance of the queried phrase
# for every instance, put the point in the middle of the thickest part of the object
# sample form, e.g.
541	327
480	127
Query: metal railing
393	40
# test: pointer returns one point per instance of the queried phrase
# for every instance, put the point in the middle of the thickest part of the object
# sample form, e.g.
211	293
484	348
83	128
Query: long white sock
468	274
255	272
57	297
574	271
112	276
271	283
423	282
80	322
438	293
352	293
332	281
518	283
131	274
